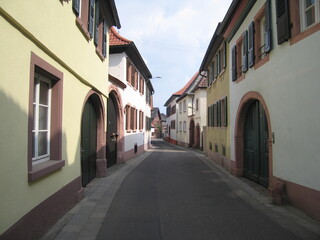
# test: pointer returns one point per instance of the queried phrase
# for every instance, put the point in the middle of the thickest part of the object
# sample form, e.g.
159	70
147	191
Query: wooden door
88	143
256	157
112	134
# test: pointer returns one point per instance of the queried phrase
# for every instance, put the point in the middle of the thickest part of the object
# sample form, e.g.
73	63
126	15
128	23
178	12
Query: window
197	104
128	111
262	36
224	108
141	85
211	73
173	109
180	126
184	106
45	119
173	124
92	23
184	126
100	32
310	13
148	96
297	20
148	123
81	9
180	107
129	70
41	121
141	117
168	111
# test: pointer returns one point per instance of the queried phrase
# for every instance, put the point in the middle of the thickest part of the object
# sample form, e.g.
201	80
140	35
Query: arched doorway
253	142
93	157
191	133
197	138
112	131
256	153
88	143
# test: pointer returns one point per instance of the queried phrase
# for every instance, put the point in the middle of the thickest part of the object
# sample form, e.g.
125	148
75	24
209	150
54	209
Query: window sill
99	53
262	62
240	78
305	33
42	169
82	28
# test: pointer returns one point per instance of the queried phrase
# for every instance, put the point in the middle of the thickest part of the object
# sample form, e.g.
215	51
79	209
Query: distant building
130	93
156	126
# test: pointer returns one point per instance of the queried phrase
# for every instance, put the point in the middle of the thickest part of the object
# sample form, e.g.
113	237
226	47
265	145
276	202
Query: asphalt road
172	194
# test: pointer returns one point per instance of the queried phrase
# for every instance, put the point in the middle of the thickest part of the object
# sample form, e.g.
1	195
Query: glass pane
35	91
42	144
43	118
33	145
310	16
44	93
309	3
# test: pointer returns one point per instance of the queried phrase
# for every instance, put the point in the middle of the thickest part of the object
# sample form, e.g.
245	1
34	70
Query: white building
191	114
274	98
131	95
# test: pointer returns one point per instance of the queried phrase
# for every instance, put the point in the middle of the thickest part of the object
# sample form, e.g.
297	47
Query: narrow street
171	192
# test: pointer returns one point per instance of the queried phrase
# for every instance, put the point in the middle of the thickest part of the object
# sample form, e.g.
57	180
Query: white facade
183	121
133	98
200	112
289	84
172	117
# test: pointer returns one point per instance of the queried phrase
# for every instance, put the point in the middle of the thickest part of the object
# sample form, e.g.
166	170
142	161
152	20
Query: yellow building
53	98
216	137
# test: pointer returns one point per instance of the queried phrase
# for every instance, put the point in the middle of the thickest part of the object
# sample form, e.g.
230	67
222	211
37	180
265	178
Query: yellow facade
219	136
47	29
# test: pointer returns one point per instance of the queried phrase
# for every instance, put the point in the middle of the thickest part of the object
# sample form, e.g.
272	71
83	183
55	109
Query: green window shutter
76	6
213	115
91	18
245	51
219	113
267	33
283	20
224	54
96	23
226	111
251	45
216	71
234	62
105	39
208	116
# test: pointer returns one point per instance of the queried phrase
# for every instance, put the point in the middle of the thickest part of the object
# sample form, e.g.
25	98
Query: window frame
303	14
36	131
40	169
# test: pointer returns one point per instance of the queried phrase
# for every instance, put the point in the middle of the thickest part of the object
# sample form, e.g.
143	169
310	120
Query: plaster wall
289	84
14	95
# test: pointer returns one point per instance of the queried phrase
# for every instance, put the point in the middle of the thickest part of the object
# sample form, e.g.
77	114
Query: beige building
53	98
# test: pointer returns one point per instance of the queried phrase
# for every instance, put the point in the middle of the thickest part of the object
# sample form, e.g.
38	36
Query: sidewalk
85	219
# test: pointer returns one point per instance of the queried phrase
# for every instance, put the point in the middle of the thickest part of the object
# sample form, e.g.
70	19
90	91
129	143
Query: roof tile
116	39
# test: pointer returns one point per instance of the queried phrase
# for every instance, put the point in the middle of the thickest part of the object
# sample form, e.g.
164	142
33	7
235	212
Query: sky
172	36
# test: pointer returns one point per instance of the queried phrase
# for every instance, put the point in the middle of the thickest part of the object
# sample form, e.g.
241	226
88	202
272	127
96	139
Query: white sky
172	36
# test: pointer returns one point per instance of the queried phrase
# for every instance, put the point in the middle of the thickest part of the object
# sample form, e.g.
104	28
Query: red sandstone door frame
244	105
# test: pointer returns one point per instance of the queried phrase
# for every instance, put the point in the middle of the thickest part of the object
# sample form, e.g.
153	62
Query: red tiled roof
182	90
116	39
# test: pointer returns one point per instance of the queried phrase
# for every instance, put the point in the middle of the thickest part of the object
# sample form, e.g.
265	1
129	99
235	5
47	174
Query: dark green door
88	143
112	134
256	157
